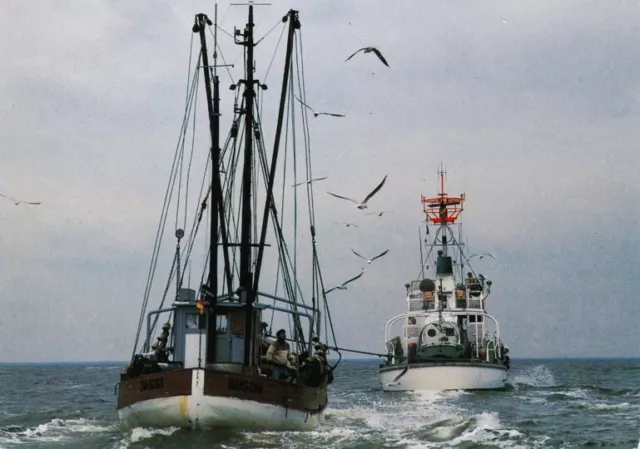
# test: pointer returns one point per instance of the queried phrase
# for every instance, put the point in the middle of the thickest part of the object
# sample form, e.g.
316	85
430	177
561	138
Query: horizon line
344	359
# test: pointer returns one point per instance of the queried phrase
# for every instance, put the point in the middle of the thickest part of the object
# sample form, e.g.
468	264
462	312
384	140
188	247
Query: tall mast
215	156
217	206
294	24
246	277
443	223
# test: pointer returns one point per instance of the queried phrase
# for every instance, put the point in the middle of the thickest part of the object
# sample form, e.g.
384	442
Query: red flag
200	305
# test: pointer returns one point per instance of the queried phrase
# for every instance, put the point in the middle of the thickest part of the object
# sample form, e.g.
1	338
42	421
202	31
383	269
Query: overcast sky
533	107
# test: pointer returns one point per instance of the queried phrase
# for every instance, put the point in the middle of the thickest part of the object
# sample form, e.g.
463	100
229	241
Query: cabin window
236	322
221	324
472	318
195	321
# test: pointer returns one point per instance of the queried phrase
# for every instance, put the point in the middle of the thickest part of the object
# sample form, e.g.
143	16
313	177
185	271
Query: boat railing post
477	347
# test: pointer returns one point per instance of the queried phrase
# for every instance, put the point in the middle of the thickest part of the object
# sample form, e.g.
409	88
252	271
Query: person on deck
279	355
473	284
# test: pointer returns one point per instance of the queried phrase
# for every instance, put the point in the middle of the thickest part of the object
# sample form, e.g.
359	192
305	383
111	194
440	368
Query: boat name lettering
151	384
245	385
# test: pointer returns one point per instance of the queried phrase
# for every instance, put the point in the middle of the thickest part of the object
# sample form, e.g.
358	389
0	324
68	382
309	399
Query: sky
532	106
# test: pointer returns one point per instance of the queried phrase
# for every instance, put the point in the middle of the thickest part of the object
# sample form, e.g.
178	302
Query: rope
269	32
161	225
218	48
328	322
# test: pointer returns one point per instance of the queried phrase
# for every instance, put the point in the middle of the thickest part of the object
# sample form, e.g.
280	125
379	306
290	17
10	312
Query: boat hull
441	376
218	400
204	413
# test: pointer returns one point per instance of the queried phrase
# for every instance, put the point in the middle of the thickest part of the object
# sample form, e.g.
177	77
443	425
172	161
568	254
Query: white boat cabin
445	319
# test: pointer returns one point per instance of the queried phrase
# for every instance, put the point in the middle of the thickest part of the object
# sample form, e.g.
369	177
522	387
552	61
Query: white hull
444	376
198	411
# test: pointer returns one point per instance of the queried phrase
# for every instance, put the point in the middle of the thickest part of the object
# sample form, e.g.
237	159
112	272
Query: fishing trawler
447	339
209	367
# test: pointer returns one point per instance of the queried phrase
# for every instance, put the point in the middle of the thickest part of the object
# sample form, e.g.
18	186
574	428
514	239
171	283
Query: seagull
379	214
343	286
348	224
369	260
480	256
33	203
315	114
309	181
369	50
362	205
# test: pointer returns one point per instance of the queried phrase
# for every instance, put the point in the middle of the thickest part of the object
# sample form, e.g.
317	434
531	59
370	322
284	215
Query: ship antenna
421	253
215	40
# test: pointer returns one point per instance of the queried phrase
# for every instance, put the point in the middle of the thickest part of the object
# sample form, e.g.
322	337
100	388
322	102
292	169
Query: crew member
278	355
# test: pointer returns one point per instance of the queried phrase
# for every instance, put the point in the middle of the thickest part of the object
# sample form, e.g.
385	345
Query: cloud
532	107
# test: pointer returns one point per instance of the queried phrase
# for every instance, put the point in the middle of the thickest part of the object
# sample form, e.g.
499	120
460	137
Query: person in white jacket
279	355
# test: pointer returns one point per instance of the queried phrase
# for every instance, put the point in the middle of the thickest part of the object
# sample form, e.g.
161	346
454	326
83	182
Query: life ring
427	296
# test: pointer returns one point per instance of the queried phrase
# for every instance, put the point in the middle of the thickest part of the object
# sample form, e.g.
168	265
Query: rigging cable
160	230
269	32
301	76
273	57
224	61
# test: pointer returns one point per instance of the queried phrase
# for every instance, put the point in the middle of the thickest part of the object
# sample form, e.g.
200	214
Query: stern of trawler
446	318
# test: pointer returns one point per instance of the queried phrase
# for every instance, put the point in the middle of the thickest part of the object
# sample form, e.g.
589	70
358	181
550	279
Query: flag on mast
200	305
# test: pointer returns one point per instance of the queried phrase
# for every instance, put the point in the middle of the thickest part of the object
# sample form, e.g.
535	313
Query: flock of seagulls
18	202
365	50
360	205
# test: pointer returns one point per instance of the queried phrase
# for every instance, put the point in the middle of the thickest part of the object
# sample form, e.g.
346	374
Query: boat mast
443	207
294	23
246	277
421	254
217	212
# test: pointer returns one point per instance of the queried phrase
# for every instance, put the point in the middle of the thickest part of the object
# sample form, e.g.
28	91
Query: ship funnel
427	285
444	266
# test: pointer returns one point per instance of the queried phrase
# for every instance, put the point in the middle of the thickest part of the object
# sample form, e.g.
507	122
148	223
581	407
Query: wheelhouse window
221	324
195	321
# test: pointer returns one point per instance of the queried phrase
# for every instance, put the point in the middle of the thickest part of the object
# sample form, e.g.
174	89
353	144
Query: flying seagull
480	256
343	286
379	214
348	224
315	114
369	260
309	181
33	203
362	205
369	50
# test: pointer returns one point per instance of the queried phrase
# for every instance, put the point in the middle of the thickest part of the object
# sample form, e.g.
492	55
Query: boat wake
139	434
415	420
532	378
56	430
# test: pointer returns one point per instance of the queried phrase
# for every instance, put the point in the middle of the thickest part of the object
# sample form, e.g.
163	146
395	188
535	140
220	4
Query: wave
52	431
534	377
